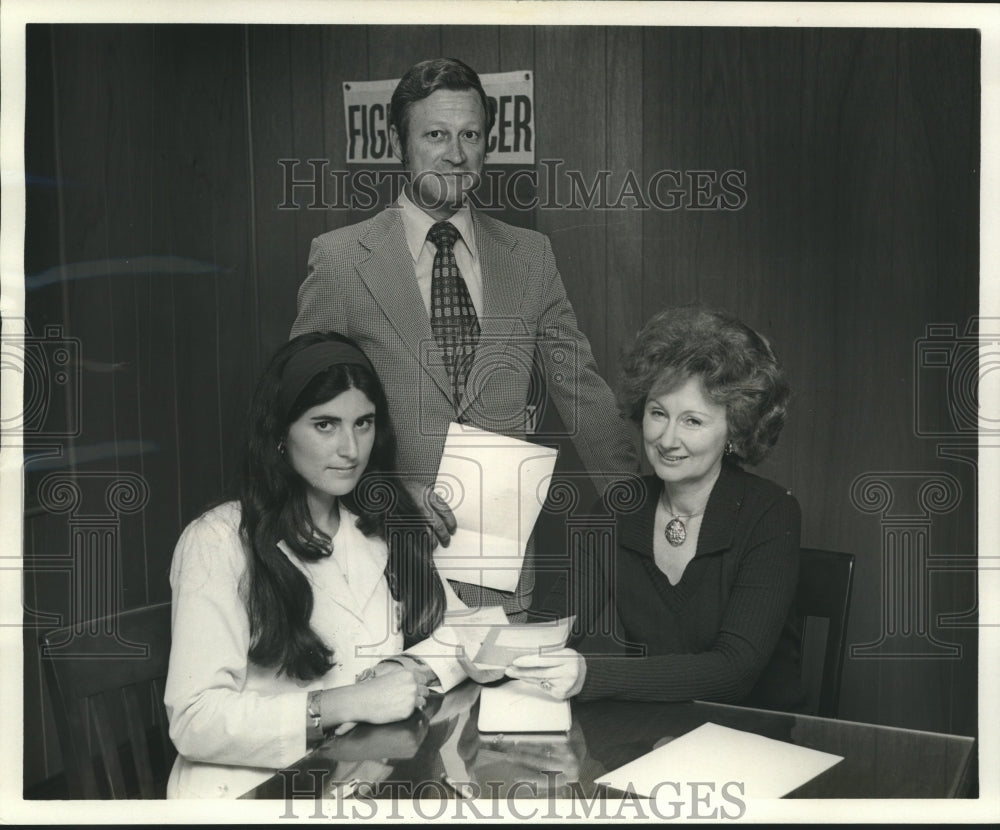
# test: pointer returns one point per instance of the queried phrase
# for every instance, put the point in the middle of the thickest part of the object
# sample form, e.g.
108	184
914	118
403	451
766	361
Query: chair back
824	592
106	679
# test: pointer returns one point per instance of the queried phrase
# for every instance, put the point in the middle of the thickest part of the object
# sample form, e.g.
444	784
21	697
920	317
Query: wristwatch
314	716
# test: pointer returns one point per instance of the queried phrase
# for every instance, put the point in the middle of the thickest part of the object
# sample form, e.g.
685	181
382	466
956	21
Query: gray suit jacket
361	283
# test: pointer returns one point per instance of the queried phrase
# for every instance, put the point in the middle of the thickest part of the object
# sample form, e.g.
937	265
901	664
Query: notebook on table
520	706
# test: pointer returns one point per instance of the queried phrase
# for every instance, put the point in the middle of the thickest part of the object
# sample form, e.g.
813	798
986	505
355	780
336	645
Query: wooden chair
824	592
128	754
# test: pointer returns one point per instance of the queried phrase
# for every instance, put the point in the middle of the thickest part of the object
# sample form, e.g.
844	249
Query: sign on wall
366	115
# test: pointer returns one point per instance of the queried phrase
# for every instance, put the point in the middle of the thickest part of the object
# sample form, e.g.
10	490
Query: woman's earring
281	447
729	448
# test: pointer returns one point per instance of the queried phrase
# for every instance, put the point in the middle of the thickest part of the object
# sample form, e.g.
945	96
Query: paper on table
495	486
767	768
503	643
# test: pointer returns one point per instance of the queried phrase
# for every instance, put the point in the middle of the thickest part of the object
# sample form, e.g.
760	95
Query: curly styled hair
736	365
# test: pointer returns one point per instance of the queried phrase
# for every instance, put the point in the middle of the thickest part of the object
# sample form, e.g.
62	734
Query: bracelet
314	716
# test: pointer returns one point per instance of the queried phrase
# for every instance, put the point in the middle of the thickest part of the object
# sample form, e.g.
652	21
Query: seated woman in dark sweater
694	599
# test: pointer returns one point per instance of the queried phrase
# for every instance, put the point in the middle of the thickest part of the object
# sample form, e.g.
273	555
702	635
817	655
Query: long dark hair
272	499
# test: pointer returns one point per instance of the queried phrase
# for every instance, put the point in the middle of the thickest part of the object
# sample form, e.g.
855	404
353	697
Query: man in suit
457	310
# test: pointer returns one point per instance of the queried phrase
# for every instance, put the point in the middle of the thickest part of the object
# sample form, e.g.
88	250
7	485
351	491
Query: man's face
445	149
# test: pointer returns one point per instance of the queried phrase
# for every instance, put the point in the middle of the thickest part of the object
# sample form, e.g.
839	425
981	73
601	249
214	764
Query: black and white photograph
541	412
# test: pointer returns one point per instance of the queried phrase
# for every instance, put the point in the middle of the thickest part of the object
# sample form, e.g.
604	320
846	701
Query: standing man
452	306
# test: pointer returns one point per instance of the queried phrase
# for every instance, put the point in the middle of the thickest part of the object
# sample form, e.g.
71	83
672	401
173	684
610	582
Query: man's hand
436	509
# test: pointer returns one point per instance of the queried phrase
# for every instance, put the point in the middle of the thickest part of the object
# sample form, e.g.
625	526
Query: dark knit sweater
727	631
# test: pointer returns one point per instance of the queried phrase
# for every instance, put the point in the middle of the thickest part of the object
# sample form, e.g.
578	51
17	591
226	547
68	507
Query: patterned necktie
453	316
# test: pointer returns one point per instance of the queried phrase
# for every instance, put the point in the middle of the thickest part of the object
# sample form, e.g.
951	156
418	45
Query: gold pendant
675	532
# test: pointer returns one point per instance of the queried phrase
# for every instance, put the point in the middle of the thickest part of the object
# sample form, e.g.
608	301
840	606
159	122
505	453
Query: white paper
469	627
495	486
502	644
767	768
519	706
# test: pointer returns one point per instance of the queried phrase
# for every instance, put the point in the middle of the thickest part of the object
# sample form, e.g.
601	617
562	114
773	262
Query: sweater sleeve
212	717
751	624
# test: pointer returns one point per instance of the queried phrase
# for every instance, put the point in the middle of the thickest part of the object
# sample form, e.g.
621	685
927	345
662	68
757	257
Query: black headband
312	360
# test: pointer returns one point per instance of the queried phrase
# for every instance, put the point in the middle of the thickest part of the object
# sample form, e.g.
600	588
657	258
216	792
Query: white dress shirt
416	223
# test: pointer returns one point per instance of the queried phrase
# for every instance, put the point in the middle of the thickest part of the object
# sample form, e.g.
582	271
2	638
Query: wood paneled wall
154	179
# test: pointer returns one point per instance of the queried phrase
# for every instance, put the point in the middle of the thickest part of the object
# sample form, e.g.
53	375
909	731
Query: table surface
440	751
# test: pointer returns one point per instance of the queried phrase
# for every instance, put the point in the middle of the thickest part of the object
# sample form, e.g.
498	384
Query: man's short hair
427	77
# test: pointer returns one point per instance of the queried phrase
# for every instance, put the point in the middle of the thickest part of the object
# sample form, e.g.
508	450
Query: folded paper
504	643
459	638
496	486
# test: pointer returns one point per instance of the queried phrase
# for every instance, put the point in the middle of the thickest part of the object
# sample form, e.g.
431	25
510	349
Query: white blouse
235	723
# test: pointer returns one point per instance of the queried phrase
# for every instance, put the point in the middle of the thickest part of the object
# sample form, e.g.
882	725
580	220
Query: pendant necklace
675	531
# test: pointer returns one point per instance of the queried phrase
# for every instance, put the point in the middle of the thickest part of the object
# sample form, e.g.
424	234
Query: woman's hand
560	673
403	662
387	698
390	697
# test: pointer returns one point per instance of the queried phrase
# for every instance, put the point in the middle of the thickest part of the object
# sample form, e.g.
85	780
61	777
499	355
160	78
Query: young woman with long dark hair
291	604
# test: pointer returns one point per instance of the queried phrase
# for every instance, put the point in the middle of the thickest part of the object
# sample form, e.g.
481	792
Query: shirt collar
717	526
416	223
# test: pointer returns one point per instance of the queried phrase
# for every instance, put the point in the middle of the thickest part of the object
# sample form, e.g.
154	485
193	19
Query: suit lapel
355	554
722	511
635	529
335	587
362	557
503	279
388	273
504	282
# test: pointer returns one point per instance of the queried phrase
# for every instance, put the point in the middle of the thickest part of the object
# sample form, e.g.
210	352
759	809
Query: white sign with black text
512	141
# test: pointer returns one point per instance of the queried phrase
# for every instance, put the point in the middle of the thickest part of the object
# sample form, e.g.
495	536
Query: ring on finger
547	685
